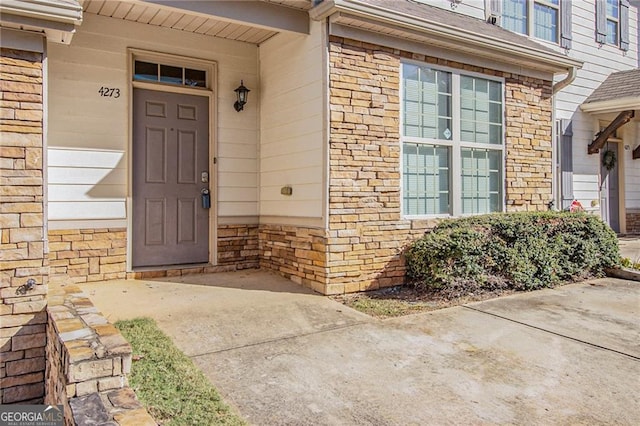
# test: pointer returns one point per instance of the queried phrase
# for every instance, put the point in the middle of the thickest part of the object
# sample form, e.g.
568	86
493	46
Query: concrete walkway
282	355
630	247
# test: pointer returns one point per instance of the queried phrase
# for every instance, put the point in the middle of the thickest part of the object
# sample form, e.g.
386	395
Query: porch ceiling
197	20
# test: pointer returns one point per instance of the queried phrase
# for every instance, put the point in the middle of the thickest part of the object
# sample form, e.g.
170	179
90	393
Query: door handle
206	198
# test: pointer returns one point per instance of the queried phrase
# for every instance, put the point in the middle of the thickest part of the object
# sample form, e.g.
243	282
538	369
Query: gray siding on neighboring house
599	62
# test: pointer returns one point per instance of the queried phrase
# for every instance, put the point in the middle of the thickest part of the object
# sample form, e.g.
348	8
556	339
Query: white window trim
455	176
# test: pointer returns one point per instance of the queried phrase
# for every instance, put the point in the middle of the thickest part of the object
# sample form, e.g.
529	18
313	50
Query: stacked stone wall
529	164
87	362
87	255
238	245
367	233
633	221
23	263
295	252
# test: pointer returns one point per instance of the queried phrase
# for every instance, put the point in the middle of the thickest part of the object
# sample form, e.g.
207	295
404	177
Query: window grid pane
480	111
546	22
612	32
427	103
514	15
426	179
613	8
481	181
168	74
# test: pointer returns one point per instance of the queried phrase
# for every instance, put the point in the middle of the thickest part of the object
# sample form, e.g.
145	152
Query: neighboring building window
452	142
539	18
612	23
545	19
613	20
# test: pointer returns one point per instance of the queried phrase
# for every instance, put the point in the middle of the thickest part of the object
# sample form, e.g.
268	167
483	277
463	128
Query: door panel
610	191
170	152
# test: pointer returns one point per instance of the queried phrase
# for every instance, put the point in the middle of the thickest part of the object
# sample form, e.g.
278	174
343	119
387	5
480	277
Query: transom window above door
169	74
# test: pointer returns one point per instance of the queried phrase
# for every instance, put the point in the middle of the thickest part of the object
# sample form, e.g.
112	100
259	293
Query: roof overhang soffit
255	13
56	19
353	12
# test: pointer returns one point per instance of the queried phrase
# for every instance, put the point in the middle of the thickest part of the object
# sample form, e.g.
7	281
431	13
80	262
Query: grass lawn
167	382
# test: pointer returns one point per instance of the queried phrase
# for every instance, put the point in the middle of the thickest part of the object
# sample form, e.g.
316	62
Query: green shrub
522	251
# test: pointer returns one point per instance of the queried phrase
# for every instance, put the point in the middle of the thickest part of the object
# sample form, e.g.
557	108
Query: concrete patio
282	355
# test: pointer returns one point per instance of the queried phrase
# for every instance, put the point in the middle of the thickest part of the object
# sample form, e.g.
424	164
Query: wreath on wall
609	159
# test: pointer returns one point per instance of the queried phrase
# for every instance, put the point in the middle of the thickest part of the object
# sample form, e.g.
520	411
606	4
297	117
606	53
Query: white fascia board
613	105
68	12
55	31
551	60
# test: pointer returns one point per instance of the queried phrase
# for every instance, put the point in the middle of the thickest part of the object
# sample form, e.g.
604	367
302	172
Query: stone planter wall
87	362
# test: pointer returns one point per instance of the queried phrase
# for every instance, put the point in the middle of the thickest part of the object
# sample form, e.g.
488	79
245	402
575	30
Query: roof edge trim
48	10
553	60
612	105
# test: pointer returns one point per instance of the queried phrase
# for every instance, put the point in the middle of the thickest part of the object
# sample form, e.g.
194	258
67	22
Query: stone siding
22	241
366	231
238	245
529	166
86	255
633	221
295	252
87	362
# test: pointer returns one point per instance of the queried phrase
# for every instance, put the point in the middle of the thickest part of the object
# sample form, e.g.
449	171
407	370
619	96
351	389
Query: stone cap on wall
87	361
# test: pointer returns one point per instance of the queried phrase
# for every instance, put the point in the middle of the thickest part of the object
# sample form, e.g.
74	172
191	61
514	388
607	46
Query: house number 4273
109	92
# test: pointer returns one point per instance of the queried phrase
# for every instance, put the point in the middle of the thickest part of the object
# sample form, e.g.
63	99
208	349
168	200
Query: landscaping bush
522	251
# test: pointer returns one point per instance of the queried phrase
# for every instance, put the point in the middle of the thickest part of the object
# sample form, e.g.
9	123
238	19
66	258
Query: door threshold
148	272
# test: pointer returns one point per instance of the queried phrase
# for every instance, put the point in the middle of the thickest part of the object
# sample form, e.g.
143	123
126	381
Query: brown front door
170	169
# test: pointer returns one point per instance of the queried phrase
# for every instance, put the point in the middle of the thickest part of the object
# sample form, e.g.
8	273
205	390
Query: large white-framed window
452	135
537	18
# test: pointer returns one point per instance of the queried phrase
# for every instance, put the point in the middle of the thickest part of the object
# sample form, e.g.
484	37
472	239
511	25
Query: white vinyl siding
291	123
452	142
83	124
599	62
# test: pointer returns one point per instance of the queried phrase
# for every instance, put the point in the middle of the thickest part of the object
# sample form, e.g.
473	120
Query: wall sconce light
242	93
